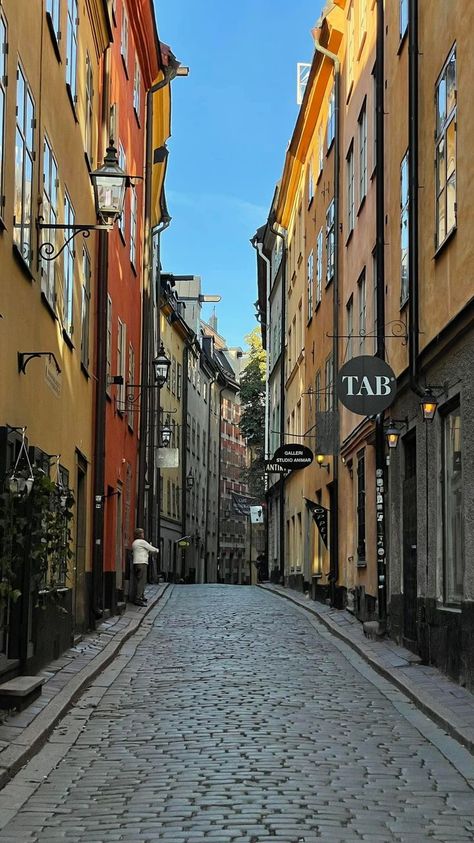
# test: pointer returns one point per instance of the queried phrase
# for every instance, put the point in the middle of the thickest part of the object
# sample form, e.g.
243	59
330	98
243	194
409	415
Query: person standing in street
141	550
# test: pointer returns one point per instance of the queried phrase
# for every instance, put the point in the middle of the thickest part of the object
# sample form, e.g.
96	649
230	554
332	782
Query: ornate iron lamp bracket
48	251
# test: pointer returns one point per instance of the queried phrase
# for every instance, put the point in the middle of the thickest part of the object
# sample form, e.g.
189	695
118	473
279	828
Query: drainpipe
380	464
220	497
334	555
282	397
184	458
413	303
208	469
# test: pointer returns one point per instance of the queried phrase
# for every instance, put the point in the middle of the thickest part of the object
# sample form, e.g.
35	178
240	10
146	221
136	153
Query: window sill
68	339
309	321
361	563
455	610
132	265
403	38
2	224
445	242
72	101
55	36
137	118
24	266
122	235
362	41
349	236
85	371
330	146
349	92
317	306
49	307
310	202
329	281
404	303
125	68
373	173
361	204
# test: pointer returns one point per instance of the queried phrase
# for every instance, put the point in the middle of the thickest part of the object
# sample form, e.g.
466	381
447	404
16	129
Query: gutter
413	261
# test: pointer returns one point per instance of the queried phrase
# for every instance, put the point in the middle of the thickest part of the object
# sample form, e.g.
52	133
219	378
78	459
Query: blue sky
232	119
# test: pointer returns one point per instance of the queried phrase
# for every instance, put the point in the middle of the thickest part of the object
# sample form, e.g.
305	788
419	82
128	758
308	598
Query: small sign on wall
167	458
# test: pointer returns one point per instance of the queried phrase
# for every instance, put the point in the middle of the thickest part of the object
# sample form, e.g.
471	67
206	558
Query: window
3	99
362	153
319	266
131	379
330	242
350	328
320	150
331	130
123	165
50	217
361	285
121	362
188	431
24	156
317	388
374	133
133	226
71	47
310	286
204	447
310	183
85	307
350	190
362	19
173	375
68	268
137	81
89	110
193	435
404	221
453	508
329	372
124	39
109	341
361	556
350	49
446	95
403	17
179	381
300	232
53	9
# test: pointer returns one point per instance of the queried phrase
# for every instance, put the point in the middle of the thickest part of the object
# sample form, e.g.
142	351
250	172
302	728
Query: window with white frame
53	9
350	48
319	266
137	81
330	242
374	133
24	157
3	100
362	153
310	182
123	165
300	232
124	38
453	509
133	226
179	381
85	307
71	47
329	372
89	110
350	328
131	379
350	189
68	268
121	362
362	293
404	222
309	283
331	129
108	349
49	213
446	97
403	17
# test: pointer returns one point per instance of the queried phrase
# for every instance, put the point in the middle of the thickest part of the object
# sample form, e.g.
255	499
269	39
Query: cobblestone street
239	718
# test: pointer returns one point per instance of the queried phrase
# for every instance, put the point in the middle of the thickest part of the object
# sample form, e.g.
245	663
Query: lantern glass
429	405
392	438
166	435
109	182
320	459
161	366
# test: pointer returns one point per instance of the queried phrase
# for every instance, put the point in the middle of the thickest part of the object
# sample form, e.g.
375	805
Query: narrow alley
231	717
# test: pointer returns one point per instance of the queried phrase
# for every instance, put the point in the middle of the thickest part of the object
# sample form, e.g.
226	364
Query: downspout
334	555
380	465
184	458
413	263
97	596
282	397
169	74
220	497
211	384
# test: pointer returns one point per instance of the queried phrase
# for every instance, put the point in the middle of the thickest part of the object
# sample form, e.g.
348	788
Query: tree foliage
252	420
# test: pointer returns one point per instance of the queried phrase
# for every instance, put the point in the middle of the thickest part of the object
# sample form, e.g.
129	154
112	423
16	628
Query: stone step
20	692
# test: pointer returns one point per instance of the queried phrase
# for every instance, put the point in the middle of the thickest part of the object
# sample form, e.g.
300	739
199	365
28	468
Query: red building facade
131	67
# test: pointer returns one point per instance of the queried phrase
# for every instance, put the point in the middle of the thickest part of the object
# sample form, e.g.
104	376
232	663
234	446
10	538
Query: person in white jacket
141	550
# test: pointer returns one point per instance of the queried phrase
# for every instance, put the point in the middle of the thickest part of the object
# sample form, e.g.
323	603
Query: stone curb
423	701
36	734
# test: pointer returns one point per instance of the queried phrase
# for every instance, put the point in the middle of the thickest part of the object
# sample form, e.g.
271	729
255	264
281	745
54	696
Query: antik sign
366	385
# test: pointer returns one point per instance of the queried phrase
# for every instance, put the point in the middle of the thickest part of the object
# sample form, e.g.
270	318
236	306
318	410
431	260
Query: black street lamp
109	183
429	404
161	365
166	434
190	479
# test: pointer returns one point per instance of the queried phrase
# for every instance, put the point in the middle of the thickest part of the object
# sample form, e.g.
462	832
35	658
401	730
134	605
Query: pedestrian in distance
141	550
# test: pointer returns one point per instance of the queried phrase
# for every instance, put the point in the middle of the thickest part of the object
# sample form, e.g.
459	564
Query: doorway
410	637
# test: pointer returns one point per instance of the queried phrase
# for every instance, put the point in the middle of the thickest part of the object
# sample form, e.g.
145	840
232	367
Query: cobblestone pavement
238	719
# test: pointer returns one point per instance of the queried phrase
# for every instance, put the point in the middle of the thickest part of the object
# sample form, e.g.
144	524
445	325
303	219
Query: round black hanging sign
366	385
